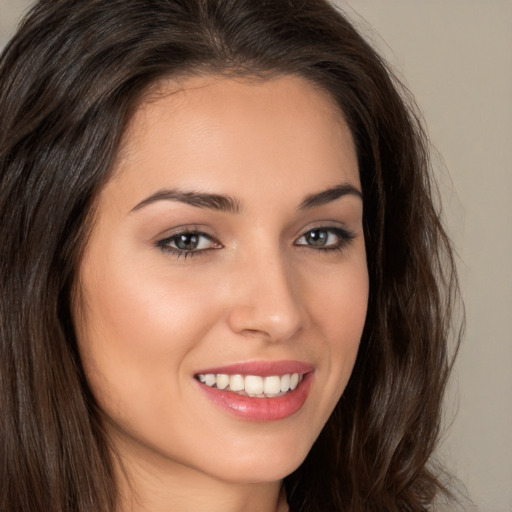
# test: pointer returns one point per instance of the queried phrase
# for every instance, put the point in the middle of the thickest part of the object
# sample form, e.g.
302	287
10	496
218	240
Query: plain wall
456	57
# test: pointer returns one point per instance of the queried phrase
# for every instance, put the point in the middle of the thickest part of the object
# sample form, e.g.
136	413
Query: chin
259	466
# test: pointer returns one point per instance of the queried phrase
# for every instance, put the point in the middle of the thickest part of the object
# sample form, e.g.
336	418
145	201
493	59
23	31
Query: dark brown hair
69	81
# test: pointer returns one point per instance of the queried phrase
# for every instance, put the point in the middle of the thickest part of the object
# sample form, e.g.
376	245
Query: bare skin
174	282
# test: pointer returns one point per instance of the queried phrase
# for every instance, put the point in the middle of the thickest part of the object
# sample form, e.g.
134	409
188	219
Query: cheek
137	327
340	307
339	299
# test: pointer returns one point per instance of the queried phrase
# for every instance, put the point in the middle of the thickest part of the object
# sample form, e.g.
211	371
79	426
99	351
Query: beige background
456	57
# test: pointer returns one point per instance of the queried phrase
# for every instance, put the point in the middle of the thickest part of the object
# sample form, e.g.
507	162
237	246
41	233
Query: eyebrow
198	199
329	195
230	204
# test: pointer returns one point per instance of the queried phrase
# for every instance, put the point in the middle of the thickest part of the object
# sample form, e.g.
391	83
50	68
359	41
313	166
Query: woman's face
227	260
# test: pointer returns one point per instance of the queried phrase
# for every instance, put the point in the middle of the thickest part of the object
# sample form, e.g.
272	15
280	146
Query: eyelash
177	252
344	238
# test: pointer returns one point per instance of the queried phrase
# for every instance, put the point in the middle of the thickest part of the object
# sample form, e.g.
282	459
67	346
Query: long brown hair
69	81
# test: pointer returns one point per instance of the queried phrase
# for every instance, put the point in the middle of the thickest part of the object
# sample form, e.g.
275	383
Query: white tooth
222	381
253	385
294	380
272	385
202	377
285	383
210	379
236	383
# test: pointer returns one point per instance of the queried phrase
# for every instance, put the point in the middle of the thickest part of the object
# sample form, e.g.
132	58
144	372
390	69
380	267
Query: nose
268	299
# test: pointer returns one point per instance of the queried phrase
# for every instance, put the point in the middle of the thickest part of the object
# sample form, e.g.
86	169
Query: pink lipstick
258	390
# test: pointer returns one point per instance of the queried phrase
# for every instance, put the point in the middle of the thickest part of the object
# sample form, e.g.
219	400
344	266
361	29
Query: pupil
187	241
317	237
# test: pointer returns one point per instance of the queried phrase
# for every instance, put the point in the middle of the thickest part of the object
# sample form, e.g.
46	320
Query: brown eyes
188	243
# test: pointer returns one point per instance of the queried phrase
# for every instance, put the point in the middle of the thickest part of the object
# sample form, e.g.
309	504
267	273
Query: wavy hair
69	81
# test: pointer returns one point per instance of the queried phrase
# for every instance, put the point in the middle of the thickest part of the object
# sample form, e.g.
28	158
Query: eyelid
164	243
345	236
187	228
334	225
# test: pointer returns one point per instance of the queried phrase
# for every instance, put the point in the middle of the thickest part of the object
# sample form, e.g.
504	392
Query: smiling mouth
271	386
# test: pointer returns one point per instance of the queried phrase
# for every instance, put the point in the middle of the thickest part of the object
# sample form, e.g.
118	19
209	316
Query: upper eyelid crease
189	232
230	204
164	243
341	232
345	237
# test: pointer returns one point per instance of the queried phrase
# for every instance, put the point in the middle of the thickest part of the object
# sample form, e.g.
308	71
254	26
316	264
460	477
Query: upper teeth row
253	385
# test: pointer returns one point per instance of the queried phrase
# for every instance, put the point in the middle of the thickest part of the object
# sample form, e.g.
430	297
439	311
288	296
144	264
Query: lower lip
261	409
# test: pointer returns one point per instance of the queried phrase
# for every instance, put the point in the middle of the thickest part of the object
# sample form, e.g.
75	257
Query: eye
188	243
325	238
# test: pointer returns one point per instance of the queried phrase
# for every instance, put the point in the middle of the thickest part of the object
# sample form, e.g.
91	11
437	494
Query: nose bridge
268	301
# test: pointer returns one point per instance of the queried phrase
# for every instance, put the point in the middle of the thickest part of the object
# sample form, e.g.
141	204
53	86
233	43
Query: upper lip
260	368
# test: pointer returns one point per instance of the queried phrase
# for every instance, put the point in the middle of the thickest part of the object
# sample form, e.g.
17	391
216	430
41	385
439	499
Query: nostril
275	327
266	302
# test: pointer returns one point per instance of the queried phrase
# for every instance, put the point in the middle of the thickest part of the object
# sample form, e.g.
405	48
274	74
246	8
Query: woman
197	312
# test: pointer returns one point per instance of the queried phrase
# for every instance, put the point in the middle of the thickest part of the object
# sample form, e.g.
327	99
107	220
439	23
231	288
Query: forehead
222	132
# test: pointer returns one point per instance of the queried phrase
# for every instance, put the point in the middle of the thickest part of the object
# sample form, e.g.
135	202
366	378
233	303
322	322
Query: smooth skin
167	288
